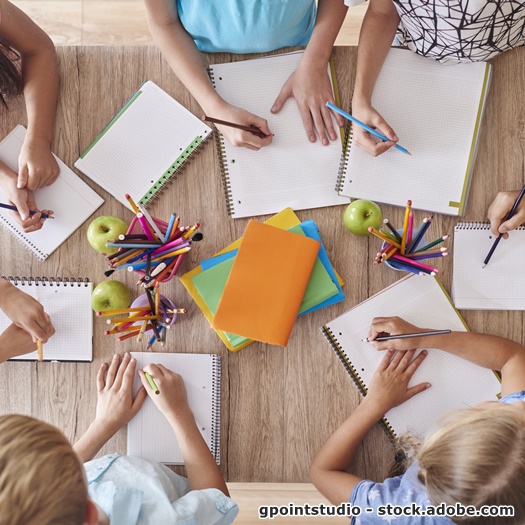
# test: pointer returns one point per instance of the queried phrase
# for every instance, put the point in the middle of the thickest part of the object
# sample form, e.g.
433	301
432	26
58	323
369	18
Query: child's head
11	82
478	458
42	481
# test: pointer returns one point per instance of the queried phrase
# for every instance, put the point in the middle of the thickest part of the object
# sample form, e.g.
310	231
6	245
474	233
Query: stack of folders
255	290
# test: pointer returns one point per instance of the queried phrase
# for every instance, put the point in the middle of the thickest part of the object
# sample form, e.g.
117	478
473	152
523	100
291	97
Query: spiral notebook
150	436
498	286
148	143
436	111
291	172
72	200
456	383
68	303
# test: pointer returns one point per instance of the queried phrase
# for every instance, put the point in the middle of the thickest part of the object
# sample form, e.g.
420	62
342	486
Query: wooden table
279	405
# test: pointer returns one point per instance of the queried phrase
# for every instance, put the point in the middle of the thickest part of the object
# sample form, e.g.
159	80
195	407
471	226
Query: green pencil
437	241
152	383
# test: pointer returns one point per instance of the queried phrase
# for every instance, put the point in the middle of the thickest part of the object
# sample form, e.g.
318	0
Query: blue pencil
420	233
363	125
170	227
31	212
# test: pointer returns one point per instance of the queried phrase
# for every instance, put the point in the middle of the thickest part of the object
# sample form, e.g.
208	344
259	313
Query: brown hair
42	481
478	458
11	82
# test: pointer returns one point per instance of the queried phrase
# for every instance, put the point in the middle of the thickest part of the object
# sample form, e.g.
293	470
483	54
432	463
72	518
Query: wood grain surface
279	405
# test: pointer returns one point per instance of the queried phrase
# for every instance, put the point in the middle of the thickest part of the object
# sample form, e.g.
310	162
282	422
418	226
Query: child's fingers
308	123
414	365
129	373
338	118
153	370
282	97
121	370
319	125
386	360
396	359
139	400
405	360
112	371
23	176
512	223
413	391
100	377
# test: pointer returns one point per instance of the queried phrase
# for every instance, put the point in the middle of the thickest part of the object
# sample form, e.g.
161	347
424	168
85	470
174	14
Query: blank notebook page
69	306
72	200
150	435
456	383
433	109
291	172
498	286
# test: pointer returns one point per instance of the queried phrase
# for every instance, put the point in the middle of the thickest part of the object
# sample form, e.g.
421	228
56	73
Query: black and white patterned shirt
459	30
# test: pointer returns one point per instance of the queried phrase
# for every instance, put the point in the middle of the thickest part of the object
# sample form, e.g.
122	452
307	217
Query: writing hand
385	326
37	167
499	209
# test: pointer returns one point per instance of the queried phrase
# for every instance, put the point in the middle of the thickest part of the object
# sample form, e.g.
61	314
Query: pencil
364	126
107	313
405	227
152	383
40	349
392	229
170	227
410	227
419	234
383	237
432	244
31	212
252	129
134	207
511	213
406	336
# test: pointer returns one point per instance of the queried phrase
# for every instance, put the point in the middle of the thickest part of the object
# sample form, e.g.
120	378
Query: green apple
360	215
110	295
104	228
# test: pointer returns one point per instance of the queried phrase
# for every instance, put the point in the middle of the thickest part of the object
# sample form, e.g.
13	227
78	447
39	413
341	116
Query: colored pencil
509	215
31	212
392	229
252	129
40	350
426	252
408	268
189	232
432	244
406	260
107	313
427	221
137	245
134	319
150	342
134	207
145	226
117	330
152	383
142	330
151	223
368	128
406	336
170	227
383	237
132	236
410	227
405	227
171	244
431	256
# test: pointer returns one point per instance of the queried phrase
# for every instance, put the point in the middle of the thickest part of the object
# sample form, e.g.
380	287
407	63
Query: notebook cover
266	285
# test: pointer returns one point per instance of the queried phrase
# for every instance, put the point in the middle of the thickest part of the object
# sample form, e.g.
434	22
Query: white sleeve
353	3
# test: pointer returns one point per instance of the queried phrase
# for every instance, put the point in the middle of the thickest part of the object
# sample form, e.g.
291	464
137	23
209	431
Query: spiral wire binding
343	164
356	378
47	281
478	226
216	409
15	232
221	151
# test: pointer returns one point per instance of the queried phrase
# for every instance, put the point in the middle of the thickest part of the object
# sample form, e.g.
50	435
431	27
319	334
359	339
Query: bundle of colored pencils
157	316
401	248
154	253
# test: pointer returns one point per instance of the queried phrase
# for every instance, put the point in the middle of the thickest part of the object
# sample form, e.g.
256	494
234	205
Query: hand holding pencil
500	208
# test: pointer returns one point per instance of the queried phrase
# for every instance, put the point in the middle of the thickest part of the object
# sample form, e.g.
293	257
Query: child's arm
498	210
376	36
388	388
485	350
181	53
310	83
115	405
36	164
203	472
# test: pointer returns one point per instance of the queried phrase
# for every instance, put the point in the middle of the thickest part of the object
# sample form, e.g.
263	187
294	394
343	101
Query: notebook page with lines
72	200
456	383
436	112
148	143
68	303
291	172
150	435
498	286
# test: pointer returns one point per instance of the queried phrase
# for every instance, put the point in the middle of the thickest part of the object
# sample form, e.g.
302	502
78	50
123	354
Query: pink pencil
145	227
410	227
415	263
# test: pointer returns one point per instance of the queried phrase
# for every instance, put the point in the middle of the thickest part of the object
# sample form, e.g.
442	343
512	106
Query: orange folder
266	285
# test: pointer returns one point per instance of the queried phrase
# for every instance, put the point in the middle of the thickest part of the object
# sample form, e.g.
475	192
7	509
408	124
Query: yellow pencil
383	237
157	299
142	330
106	313
40	349
405	228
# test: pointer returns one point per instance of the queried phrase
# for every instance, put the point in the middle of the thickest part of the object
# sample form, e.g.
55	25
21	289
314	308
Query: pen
31	212
511	213
363	125
406	336
252	129
152	383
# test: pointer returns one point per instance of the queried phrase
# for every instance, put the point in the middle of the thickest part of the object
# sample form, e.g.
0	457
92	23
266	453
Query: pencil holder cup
392	264
142	300
135	227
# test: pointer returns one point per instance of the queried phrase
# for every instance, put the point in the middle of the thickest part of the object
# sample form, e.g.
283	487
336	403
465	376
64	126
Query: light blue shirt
247	26
402	490
134	491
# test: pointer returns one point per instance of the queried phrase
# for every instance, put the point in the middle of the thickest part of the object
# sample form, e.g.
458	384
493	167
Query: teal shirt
247	26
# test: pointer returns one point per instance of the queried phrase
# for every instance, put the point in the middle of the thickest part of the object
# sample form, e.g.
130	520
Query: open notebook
498	286
68	303
72	200
146	145
456	383
436	111
150	435
291	172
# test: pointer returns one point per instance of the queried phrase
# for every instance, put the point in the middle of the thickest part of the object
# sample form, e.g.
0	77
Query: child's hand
171	399
498	210
15	341
389	385
385	326
238	137
311	88
37	167
115	405
24	201
26	312
364	112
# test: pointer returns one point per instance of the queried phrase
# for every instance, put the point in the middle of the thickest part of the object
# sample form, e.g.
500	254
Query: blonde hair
478	458
42	481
